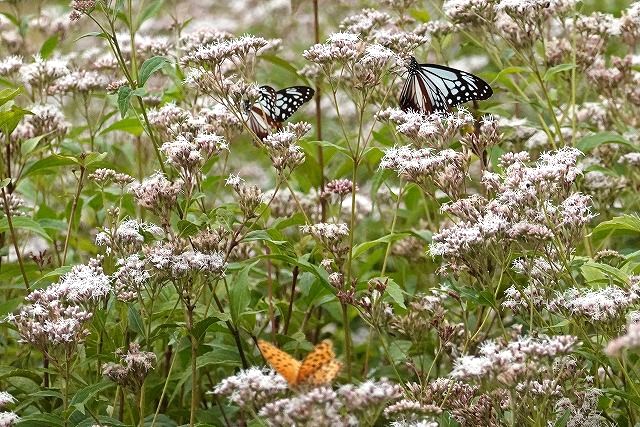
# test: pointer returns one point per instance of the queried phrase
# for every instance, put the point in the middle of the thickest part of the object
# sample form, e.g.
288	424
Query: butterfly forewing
435	88
282	362
319	357
273	108
288	101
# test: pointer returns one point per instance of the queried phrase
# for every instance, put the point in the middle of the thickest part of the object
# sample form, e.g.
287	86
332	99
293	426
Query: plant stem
194	368
14	239
294	280
74	206
347	337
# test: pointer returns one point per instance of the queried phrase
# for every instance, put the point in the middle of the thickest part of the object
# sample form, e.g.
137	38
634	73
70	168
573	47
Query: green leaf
124	96
624	223
52	275
151	66
98	34
24	223
282	63
363	247
589	142
40	420
30	144
148	12
136	324
612	273
7	95
557	69
239	295
220	355
49	46
187	228
130	125
51	162
509	70
9	119
82	396
395	292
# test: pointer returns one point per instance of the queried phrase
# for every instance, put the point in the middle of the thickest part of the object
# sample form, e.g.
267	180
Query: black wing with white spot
435	88
261	119
288	101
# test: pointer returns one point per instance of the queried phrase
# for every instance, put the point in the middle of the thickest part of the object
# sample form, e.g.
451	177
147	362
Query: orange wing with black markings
281	361
319	367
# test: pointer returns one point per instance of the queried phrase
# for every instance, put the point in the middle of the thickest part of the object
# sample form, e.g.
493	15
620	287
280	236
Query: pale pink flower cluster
157	193
513	359
596	306
133	369
531	204
252	388
283	149
433	130
127	237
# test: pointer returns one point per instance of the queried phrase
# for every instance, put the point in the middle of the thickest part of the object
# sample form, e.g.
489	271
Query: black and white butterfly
274	107
435	88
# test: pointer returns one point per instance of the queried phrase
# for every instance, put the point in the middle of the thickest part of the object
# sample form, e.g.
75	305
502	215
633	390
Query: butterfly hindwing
435	88
320	356
326	374
282	362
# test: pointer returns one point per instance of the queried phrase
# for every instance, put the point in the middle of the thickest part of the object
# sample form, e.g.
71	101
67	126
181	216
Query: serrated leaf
220	355
124	96
187	228
9	119
150	66
52	275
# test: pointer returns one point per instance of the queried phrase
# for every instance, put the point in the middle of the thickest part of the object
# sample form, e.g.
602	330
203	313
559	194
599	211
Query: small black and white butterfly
274	107
434	88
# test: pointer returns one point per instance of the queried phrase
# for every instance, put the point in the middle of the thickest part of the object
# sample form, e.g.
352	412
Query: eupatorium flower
252	388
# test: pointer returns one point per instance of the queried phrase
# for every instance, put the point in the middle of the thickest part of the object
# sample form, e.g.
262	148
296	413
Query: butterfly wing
288	100
436	88
321	356
326	374
281	361
261	119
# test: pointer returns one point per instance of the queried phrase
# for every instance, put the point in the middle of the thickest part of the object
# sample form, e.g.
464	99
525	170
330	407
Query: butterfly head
412	65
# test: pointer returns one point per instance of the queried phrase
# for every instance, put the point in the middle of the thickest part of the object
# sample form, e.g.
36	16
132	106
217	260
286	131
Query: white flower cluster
513	359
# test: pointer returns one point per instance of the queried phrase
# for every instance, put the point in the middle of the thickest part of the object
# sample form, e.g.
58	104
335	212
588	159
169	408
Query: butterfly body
274	107
319	367
431	88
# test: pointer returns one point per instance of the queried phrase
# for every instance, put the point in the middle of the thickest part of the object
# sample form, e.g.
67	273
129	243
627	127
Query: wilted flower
157	194
134	369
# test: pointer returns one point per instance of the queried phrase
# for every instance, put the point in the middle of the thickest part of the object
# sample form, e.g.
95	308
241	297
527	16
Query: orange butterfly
319	367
